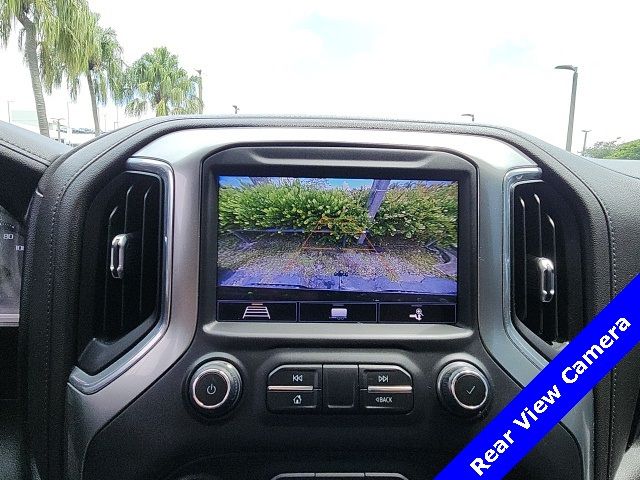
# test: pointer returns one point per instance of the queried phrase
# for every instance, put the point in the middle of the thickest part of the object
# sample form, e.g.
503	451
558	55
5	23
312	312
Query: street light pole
572	106
200	90
584	144
68	126
470	115
236	108
9	102
57	120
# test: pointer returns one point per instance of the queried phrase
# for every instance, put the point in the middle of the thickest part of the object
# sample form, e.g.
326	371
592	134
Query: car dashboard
315	298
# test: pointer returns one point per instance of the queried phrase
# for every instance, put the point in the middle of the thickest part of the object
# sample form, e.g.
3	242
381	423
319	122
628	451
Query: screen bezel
340	162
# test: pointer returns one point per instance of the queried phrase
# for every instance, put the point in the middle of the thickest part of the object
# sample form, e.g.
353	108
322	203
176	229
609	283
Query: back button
391	402
294	476
339	476
385	476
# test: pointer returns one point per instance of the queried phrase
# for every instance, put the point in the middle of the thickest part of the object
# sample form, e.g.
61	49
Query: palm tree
157	82
105	71
102	68
28	14
53	32
100	63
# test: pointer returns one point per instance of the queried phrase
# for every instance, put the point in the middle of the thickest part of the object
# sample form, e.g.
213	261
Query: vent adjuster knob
118	248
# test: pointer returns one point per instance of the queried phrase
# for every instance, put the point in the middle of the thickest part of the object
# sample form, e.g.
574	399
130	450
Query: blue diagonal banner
553	392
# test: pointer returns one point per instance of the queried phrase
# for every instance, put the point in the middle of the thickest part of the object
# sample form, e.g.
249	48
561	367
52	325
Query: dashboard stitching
61	193
615	369
613	251
614	279
614	375
37	157
613	418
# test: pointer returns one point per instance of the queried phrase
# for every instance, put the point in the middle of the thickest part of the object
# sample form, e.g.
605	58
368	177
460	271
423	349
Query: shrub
629	150
291	205
421	213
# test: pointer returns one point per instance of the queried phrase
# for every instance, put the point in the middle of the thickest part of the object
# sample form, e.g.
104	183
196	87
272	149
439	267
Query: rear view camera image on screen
337	249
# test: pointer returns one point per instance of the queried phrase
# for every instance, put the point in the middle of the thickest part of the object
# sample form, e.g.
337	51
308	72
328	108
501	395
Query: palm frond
157	79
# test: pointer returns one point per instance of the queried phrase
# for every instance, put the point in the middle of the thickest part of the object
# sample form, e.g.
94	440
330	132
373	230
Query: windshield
562	71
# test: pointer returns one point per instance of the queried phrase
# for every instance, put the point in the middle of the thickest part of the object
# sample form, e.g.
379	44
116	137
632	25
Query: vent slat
131	314
143	238
534	227
126	281
112	289
549	250
534	316
520	256
146	235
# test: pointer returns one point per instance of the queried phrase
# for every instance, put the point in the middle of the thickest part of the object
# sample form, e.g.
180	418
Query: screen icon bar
327	312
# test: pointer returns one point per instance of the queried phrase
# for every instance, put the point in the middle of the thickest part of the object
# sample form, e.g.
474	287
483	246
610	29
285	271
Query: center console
381	241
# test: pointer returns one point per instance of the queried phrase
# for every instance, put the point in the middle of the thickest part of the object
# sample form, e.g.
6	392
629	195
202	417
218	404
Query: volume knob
215	387
463	388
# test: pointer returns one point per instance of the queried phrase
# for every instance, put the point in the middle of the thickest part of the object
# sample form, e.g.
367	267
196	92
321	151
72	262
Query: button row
340	389
374	312
340	476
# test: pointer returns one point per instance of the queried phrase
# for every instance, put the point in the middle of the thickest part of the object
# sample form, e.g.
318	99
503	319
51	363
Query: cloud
341	39
511	53
402	59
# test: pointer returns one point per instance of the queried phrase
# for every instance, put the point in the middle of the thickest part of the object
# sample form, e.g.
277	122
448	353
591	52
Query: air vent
546	274
122	250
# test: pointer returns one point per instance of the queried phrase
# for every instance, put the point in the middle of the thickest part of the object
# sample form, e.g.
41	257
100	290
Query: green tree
613	149
100	63
600	149
105	72
54	33
157	82
630	150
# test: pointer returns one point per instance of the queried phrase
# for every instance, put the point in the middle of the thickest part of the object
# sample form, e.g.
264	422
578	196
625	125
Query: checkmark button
470	389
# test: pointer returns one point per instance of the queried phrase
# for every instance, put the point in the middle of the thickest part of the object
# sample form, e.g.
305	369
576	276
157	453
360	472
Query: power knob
215	387
463	389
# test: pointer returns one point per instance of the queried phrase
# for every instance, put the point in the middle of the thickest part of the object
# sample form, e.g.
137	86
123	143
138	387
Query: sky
350	183
417	60
342	183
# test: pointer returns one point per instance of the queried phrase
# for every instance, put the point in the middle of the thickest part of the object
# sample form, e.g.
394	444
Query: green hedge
421	213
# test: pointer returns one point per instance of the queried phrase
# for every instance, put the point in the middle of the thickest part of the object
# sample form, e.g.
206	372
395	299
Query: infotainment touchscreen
337	250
